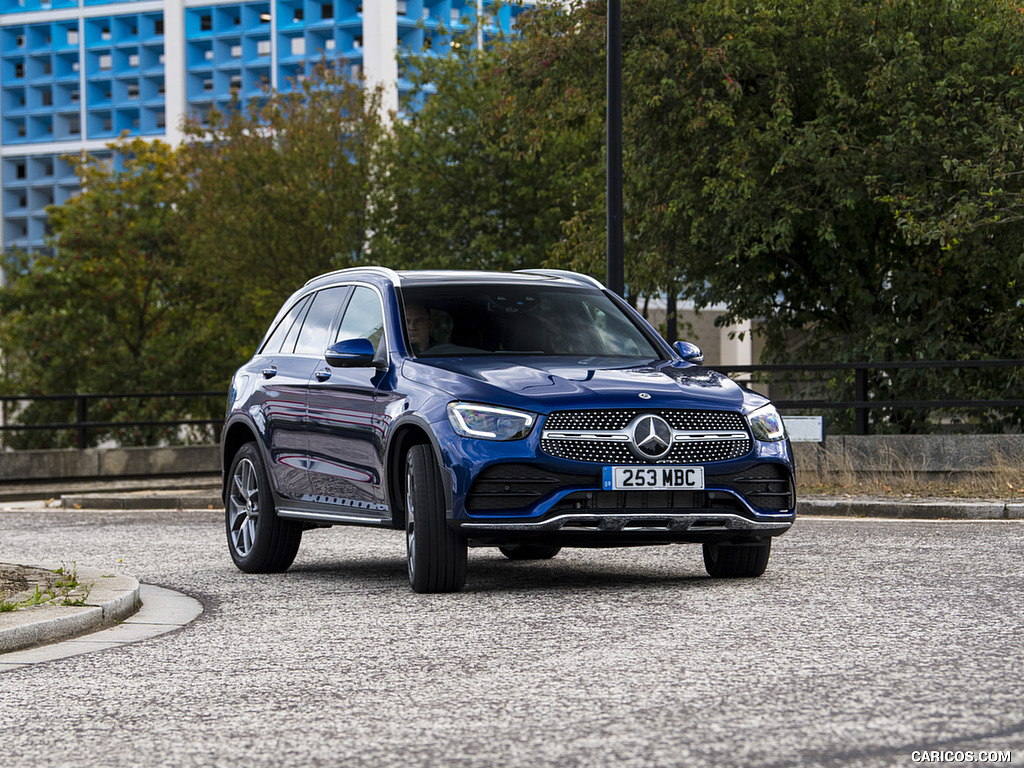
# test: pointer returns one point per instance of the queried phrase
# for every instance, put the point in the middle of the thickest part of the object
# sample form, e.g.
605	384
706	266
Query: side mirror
690	353
351	353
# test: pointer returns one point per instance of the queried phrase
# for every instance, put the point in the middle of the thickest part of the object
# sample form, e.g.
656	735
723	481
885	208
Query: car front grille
768	486
603	436
517	486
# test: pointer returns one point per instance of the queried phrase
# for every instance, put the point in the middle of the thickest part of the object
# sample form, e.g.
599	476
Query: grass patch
888	474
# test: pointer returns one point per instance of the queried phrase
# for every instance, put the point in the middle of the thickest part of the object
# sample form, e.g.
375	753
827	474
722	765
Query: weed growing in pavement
64	589
69	590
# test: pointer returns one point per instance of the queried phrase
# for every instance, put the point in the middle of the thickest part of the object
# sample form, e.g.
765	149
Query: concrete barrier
103	463
928	456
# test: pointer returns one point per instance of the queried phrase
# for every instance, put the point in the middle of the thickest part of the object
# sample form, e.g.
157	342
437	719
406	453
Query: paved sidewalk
106	599
160	611
909	508
66	492
116	610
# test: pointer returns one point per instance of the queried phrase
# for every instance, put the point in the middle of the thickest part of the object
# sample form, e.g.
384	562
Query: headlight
489	423
766	424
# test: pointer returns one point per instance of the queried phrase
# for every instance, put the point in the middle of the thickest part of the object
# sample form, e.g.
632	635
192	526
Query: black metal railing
84	427
865	400
796	379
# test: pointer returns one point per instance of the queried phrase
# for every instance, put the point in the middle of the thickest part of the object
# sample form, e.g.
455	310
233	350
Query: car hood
555	383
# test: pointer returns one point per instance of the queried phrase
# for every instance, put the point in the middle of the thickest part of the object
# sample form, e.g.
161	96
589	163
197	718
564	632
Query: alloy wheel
244	507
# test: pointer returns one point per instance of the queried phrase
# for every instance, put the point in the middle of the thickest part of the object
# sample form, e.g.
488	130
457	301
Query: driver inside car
419	325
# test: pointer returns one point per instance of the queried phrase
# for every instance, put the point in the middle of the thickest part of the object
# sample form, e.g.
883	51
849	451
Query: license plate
657	478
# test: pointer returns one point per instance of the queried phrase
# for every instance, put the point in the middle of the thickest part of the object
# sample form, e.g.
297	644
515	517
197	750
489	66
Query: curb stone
198	499
910	508
112	598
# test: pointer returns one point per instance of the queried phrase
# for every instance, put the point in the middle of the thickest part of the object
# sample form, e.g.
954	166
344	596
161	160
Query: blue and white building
75	74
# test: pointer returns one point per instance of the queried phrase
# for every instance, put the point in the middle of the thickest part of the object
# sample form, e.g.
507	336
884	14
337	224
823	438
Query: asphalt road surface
868	643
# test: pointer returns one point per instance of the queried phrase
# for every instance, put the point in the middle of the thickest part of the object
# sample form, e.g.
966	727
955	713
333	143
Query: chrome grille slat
602	437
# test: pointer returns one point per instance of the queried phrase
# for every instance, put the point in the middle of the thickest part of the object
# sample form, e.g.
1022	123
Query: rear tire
737	561
259	541
435	553
529	551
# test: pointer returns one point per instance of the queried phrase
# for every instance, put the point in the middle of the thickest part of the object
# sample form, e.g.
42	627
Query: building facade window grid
75	74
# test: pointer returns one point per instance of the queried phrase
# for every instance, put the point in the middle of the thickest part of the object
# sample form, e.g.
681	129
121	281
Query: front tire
737	561
435	553
259	541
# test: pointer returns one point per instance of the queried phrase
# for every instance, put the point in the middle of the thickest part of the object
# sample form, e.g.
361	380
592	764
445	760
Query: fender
235	424
398	442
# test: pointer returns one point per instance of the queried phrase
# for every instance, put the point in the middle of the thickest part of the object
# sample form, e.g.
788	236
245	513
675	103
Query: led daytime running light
767	424
487	422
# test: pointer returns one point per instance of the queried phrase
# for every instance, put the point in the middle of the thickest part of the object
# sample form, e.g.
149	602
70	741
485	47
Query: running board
339	518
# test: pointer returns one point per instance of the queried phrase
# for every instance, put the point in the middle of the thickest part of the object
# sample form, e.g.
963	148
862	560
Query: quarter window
313	336
286	329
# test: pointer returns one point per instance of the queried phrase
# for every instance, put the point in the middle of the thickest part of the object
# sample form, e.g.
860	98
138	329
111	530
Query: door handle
269	373
323	375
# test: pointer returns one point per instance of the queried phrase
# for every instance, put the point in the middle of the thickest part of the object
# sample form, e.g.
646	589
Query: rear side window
313	336
283	337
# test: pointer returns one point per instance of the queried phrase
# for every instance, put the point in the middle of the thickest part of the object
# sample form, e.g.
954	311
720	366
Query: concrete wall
926	456
931	456
102	463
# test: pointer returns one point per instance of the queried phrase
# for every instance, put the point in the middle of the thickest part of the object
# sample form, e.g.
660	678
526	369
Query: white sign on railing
805	429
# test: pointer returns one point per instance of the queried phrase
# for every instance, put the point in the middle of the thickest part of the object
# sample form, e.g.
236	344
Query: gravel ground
864	642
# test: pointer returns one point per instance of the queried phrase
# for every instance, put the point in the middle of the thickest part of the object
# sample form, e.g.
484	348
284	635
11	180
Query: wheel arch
404	437
236	434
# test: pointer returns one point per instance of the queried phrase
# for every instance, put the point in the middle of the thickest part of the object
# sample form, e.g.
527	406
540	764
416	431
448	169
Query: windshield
484	319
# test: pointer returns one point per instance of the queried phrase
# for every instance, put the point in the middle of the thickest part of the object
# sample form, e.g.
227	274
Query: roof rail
564	273
390	274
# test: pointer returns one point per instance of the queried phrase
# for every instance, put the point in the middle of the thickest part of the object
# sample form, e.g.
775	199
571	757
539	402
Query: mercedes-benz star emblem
652	437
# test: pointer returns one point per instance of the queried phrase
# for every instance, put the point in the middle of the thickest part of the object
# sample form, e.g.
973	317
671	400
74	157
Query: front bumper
511	503
625	529
705	522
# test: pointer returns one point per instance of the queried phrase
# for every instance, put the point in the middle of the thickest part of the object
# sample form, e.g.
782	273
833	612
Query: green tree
484	173
278	193
165	273
848	172
111	308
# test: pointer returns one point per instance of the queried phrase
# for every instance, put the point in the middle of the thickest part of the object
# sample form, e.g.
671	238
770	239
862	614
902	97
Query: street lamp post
616	272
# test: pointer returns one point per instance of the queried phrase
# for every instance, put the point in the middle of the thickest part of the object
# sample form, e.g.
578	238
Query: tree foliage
111	310
483	174
164	274
846	174
279	193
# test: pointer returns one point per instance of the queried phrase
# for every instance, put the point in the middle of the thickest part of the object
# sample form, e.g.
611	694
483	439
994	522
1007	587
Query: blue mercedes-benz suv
527	411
